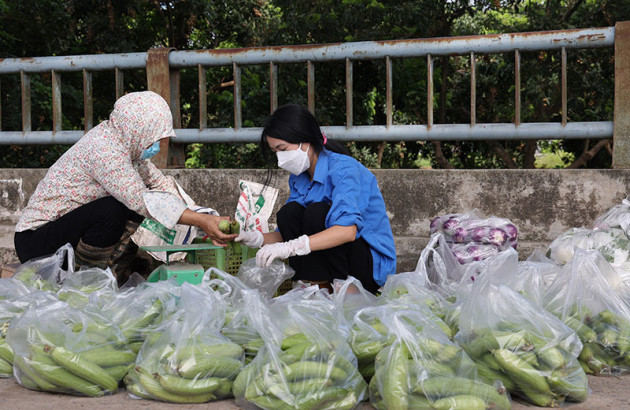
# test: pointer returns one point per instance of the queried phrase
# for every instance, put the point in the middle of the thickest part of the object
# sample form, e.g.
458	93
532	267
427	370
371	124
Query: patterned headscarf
141	118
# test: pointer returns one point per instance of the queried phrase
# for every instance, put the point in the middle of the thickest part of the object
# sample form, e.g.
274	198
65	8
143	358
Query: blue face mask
151	151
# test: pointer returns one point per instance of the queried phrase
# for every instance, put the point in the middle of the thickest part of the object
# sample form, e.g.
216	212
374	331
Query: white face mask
295	161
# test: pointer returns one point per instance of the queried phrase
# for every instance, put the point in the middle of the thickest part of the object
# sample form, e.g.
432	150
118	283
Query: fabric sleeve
154	179
346	198
114	171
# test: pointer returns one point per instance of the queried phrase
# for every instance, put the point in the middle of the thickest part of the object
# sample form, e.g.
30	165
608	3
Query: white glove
282	250
251	239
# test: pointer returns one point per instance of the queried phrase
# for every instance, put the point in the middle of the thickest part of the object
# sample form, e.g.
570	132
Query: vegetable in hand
224	226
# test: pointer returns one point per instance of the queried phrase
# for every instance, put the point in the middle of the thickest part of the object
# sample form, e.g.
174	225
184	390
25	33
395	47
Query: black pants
99	223
349	259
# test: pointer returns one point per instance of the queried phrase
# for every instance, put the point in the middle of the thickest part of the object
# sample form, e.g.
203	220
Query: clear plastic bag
61	349
616	217
138	311
438	265
237	326
349	296
79	285
186	359
469	227
534	352
612	243
266	279
305	363
532	278
47	272
582	296
409	288
423	368
15	298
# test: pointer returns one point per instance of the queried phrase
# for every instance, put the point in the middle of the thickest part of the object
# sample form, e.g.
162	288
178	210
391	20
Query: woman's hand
209	224
282	250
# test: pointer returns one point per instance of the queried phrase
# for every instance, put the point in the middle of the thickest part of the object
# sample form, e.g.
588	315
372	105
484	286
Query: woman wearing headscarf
92	197
334	223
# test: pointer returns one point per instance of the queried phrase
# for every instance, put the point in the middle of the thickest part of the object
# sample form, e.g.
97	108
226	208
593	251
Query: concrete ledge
542	203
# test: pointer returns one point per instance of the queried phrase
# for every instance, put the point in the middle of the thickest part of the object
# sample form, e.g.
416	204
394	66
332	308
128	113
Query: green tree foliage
56	27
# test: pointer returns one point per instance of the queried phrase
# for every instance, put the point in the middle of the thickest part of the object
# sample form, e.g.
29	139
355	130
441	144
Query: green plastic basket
228	259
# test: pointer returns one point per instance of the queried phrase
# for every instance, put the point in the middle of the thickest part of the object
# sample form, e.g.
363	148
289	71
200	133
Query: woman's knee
110	217
315	217
289	213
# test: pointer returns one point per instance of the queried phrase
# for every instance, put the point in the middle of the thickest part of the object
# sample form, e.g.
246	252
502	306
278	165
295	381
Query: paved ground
611	393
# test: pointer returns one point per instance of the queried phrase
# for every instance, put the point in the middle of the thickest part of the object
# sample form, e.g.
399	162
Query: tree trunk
529	159
587	155
502	154
440	158
381	149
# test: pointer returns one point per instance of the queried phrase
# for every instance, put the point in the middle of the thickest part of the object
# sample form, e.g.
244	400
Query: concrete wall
542	203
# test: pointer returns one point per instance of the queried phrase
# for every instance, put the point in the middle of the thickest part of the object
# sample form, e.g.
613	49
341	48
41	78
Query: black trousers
99	223
350	259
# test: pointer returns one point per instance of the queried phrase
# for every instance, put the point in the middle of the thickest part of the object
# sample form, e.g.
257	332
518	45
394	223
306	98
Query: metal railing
162	67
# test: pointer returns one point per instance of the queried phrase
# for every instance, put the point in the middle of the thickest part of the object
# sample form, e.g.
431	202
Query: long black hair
295	124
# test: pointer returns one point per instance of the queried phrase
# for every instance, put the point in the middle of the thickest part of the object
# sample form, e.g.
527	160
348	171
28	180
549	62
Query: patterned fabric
106	161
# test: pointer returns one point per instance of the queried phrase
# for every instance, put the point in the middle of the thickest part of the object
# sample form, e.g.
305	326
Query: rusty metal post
26	102
159	81
310	73
88	101
621	124
119	82
273	87
57	114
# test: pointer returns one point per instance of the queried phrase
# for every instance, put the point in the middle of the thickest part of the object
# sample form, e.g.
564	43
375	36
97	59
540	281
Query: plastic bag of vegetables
422	368
612	243
616	217
471	228
266	279
532	277
237	327
511	339
61	349
186	359
583	298
47	272
349	296
137	311
15	298
440	270
305	363
79	285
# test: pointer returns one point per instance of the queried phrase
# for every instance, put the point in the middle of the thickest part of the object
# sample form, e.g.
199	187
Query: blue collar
321	168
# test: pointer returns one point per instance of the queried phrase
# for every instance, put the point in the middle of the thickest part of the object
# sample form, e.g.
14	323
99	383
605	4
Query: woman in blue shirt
334	224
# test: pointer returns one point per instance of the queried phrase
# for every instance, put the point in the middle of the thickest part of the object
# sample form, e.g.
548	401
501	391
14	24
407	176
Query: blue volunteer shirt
355	199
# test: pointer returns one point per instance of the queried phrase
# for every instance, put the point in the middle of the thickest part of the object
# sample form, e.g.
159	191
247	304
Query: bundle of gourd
305	363
186	359
47	273
139	310
410	288
61	349
236	326
77	286
585	296
15	298
423	368
514	341
369	333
